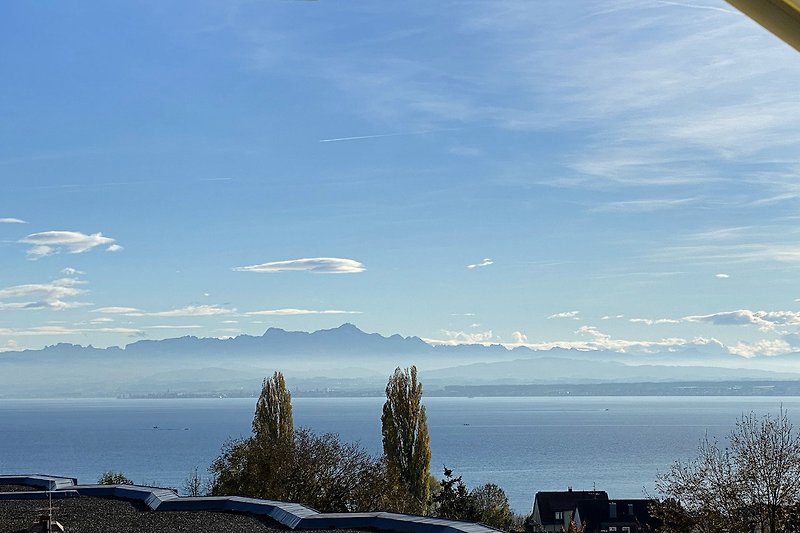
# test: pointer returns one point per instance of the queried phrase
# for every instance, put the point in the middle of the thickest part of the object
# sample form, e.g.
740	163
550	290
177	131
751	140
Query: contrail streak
366	137
695	6
359	137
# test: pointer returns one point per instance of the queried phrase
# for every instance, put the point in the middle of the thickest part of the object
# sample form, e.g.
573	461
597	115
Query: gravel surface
101	515
18	488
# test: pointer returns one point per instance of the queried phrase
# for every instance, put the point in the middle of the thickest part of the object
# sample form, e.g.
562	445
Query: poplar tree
406	443
272	423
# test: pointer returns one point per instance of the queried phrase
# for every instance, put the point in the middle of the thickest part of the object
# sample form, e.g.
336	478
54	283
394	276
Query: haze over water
522	444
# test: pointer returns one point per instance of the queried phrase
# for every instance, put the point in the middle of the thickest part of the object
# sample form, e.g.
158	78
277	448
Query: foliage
113	478
487	503
320	471
573	528
406	444
332	476
272	422
751	485
453	500
492	504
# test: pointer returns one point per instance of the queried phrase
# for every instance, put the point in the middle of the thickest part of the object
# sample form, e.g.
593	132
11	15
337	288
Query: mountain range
348	358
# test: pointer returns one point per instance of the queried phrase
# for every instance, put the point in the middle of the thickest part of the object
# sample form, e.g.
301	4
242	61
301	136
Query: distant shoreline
753	388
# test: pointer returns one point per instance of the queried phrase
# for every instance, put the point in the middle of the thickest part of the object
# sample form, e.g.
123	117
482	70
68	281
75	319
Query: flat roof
140	509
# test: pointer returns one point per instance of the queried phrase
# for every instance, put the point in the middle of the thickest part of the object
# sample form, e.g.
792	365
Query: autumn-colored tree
573	528
406	444
280	463
272	422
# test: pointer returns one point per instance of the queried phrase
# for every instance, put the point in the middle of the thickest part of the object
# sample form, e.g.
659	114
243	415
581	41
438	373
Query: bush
113	478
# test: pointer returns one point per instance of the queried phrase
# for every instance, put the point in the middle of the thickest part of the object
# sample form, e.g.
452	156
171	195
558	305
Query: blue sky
594	174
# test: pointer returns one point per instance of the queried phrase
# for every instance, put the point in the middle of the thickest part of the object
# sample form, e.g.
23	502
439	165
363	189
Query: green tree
492	505
280	463
406	444
454	501
258	466
113	478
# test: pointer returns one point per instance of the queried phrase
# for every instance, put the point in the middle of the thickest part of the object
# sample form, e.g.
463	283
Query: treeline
279	462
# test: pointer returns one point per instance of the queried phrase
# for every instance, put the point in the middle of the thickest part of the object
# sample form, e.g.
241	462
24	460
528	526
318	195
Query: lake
524	445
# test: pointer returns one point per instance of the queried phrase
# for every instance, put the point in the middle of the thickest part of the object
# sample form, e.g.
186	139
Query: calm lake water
522	444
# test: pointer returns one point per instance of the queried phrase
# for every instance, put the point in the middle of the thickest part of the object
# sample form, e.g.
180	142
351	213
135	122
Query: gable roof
547	503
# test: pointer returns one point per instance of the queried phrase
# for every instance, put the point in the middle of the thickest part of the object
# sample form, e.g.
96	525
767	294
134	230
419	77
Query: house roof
153	509
549	502
594	513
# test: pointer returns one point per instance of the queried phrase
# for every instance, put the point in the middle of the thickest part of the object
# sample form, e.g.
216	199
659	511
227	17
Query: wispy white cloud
186	311
12	221
722	276
565	314
764	320
316	265
595	340
167	326
56	331
454	338
697	6
519	337
190	310
486	262
639	206
744	252
73	242
55	295
762	347
117	310
293	312
653	322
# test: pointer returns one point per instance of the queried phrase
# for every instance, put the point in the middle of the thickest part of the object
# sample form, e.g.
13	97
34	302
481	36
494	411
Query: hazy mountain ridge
348	357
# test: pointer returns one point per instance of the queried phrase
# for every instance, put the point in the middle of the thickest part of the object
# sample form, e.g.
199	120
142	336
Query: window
612	528
626	529
559	515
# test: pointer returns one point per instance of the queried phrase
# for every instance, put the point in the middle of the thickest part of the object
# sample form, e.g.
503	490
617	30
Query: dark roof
130	508
595	513
549	502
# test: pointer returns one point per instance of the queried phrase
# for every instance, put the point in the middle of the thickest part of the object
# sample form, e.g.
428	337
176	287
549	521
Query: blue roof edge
291	515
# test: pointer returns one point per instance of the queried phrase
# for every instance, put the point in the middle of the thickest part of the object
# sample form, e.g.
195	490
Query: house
594	510
615	516
552	511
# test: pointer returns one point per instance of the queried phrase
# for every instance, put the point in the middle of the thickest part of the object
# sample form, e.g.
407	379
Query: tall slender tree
406	443
272	423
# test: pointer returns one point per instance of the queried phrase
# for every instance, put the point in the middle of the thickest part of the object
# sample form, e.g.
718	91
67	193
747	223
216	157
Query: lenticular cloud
52	242
316	265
